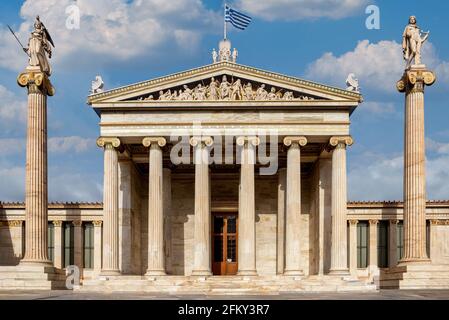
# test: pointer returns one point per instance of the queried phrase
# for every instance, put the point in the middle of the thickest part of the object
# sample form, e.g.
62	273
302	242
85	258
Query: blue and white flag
237	19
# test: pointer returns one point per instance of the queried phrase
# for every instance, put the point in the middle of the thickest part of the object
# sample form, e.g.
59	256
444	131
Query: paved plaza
381	295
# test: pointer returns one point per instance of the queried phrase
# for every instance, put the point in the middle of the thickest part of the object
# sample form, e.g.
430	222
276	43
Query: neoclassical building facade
226	177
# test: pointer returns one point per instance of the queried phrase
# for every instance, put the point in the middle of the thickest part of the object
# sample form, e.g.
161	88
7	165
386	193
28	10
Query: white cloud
437	147
377	65
13	110
11	146
380	177
301	9
379	108
111	29
12	183
71	143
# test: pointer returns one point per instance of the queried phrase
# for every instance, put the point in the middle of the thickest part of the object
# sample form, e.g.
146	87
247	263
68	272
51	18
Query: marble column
353	246
202	241
58	263
373	265
392	243
247	211
282	185
156	257
78	243
339	248
36	189
110	206
293	207
167	220
97	245
412	83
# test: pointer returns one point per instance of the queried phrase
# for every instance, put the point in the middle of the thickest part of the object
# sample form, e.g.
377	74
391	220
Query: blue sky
130	41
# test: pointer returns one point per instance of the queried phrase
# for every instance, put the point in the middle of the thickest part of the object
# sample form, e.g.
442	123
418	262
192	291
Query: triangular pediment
224	81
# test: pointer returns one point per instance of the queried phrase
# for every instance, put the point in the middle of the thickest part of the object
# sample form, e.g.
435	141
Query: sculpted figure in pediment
225	88
272	95
199	93
261	93
212	90
248	93
288	95
237	90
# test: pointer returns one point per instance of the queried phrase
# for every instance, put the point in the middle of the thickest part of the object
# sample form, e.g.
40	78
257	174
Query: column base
110	273
202	273
339	272
413	261
38	263
293	273
246	273
154	273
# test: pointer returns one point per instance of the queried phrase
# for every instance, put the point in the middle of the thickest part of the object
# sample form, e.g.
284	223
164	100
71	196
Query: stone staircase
31	277
225	285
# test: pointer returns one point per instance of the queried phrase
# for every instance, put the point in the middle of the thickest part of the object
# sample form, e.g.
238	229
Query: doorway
224	243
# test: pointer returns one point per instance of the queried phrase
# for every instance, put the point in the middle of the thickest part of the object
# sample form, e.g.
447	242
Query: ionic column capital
57	223
337	140
373	222
393	221
105	141
77	223
148	141
415	80
97	223
201	140
353	222
36	82
301	141
255	141
11	223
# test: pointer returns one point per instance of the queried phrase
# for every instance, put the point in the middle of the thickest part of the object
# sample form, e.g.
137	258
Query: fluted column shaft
293	257
373	235
110	207
353	247
156	256
58	262
282	186
36	190
247	211
202	239
97	245
339	248
412	83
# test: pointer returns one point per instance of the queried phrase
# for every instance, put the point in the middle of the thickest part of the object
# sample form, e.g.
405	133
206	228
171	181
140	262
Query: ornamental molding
346	140
97	223
415	79
36	82
242	140
201	141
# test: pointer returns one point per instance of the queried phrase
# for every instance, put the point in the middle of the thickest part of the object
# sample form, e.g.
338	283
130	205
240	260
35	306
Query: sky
126	41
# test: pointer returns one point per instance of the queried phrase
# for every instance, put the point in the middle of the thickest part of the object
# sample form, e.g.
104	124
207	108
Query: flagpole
224	20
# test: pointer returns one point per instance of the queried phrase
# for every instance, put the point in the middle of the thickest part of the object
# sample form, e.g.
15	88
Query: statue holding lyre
412	41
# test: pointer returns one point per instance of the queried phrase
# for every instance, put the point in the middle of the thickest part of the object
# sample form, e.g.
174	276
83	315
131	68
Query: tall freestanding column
412	83
202	244
339	249
36	195
293	214
247	210
110	206
156	256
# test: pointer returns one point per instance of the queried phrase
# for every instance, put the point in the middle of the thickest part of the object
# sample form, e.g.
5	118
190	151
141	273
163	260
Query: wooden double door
224	243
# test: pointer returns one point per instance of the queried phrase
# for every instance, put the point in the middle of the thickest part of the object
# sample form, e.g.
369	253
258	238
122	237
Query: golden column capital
104	141
205	140
415	79
301	141
97	223
57	223
36	82
148	141
373	222
353	222
337	140
255	141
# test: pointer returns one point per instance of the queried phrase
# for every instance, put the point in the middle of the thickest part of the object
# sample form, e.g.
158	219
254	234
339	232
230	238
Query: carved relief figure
248	93
225	88
412	41
261	93
212	91
237	90
39	46
272	95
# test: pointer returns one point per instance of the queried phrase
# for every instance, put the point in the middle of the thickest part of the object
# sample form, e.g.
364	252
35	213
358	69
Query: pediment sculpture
224	90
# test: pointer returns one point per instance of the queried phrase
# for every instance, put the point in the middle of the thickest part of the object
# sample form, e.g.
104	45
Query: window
69	252
400	240
362	244
88	245
51	241
382	244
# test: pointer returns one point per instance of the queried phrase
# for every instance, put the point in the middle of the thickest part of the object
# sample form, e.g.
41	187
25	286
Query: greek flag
237	19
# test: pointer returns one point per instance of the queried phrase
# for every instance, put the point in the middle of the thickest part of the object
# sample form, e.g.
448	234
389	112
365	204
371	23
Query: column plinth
339	249
110	207
293	257
412	83
247	211
156	256
202	245
36	189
